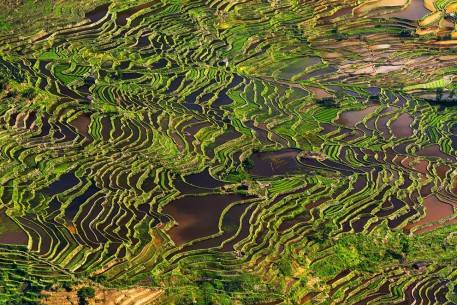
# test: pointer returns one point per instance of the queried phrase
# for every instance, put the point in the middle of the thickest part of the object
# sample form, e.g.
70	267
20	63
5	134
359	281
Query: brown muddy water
98	13
272	163
351	118
10	232
433	150
435	210
415	10
401	127
81	123
197	216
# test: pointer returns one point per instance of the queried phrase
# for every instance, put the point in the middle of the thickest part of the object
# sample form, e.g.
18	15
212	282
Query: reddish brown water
308	297
351	118
197	216
10	232
421	166
281	162
343	12
401	127
441	170
435	210
433	150
347	11
414	164
124	15
415	10
82	123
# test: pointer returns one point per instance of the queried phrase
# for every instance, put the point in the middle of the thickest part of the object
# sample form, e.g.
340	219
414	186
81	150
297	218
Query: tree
322	232
3	83
248	163
284	267
67	286
439	94
28	93
85	293
405	33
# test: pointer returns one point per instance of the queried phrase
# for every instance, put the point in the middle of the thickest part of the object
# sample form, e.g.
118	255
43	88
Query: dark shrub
28	93
85	293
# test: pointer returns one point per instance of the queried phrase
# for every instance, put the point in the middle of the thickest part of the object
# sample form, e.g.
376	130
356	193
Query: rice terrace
218	152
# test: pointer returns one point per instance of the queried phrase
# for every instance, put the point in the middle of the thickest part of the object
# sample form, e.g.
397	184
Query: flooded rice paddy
231	152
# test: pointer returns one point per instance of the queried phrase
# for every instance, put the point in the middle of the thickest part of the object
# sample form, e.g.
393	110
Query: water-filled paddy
229	152
197	216
10	232
414	11
273	163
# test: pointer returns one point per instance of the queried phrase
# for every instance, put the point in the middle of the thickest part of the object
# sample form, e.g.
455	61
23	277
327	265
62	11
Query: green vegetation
84	294
227	152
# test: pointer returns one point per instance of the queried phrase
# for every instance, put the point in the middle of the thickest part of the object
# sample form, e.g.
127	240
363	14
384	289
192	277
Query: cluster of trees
84	294
363	252
209	287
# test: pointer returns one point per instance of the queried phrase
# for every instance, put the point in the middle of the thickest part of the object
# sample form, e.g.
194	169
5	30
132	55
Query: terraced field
229	151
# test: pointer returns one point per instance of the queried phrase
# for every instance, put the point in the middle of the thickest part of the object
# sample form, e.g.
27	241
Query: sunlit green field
228	152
